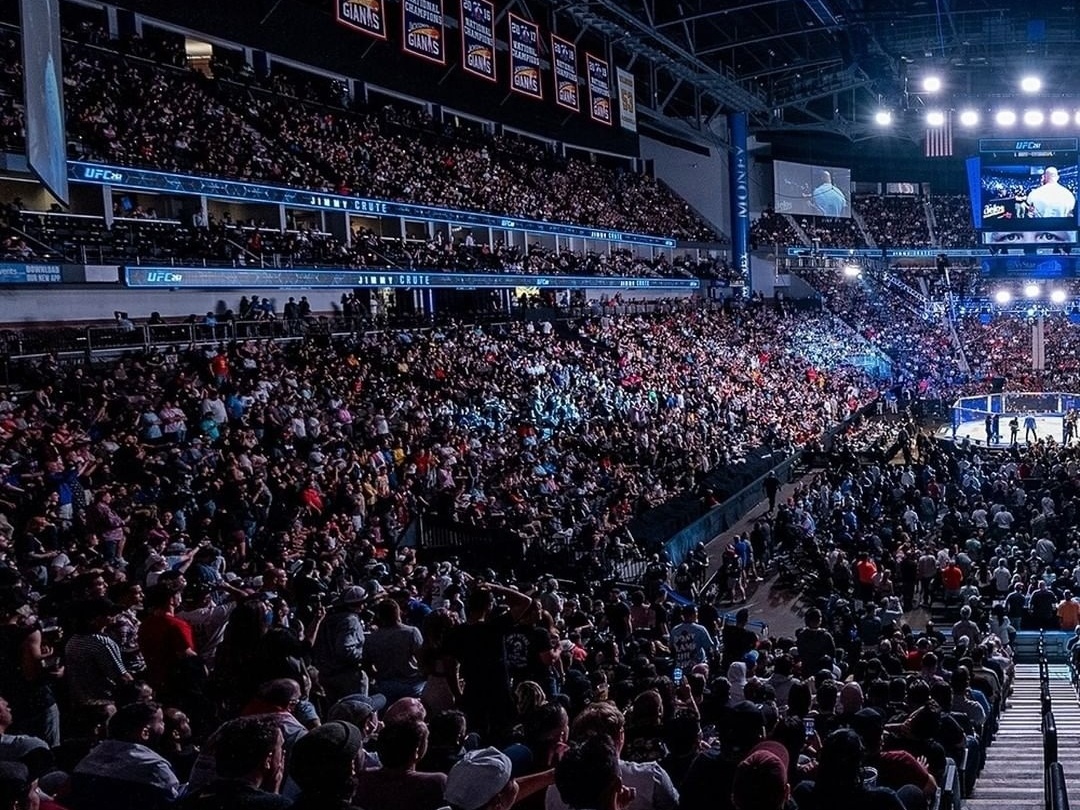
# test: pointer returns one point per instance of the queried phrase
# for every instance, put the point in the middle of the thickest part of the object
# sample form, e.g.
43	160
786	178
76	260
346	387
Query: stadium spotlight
1059	118
1005	118
1076	117
1031	84
883	118
1003	297
1031	290
1058	296
931	84
1033	118
852	271
935	118
969	118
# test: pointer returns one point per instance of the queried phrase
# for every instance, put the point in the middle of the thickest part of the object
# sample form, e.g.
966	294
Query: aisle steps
1013	775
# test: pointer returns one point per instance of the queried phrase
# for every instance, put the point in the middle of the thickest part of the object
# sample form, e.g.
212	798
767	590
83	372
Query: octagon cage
1038	415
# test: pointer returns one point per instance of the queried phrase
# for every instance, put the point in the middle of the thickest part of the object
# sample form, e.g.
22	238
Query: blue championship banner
599	89
564	65
525	58
422	31
368	16
478	38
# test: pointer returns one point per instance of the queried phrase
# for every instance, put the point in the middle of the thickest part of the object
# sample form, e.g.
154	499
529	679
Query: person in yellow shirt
1068	612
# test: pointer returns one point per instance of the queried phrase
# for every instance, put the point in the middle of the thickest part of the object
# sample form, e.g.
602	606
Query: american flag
939	139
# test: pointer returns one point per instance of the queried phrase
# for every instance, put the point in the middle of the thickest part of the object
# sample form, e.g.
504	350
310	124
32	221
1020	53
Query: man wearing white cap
481	780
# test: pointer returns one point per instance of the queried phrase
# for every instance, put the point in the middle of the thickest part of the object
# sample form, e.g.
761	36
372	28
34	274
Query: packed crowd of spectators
260	130
201	535
894	221
952	221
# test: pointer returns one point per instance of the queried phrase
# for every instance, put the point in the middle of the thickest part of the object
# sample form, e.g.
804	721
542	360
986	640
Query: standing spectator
392	651
815	644
93	660
167	643
690	641
1068	612
339	648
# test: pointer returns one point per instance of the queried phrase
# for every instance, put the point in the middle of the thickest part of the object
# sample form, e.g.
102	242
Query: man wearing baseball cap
761	781
324	765
481	781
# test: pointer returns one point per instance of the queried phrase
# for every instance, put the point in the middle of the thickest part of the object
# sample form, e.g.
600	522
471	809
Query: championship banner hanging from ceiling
478	38
423	33
564	66
627	102
599	88
525	58
368	16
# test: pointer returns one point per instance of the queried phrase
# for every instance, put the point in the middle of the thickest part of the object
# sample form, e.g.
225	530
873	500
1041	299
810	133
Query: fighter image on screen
1050	199
827	198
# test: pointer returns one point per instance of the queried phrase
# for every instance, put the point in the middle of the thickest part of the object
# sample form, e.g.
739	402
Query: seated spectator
397	784
250	763
841	778
124	772
325	765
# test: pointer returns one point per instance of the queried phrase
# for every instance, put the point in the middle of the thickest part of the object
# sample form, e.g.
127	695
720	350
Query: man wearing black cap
324	764
708	783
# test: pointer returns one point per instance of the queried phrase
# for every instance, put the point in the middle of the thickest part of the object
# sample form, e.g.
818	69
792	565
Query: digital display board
322	277
804	189
150	180
1024	191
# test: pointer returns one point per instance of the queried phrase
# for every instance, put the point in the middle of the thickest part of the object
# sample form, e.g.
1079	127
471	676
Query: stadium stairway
1013	775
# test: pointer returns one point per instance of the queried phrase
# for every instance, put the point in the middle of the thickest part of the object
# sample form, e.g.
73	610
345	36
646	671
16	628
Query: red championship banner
478	38
368	16
564	66
423	33
525	58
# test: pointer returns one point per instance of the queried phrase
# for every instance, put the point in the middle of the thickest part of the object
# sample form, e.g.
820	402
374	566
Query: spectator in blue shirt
690	641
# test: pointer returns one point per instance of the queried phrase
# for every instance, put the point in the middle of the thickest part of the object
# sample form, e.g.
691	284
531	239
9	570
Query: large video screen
1029	195
813	191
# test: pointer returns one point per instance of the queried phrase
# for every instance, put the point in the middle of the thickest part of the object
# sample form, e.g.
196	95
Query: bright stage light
1031	84
1005	118
935	118
969	118
883	118
931	84
1059	118
1033	118
1003	297
1058	296
852	270
1031	290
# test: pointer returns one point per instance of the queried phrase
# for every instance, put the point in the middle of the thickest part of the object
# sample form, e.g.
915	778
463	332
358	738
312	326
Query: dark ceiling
829	64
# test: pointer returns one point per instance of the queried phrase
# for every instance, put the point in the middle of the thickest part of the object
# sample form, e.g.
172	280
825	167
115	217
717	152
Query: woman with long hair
443	688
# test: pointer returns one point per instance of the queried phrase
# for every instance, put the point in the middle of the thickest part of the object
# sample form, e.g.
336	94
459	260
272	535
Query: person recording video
1050	199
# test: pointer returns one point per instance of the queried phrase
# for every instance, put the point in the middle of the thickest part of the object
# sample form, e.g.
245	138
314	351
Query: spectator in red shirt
952	577
166	641
865	572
